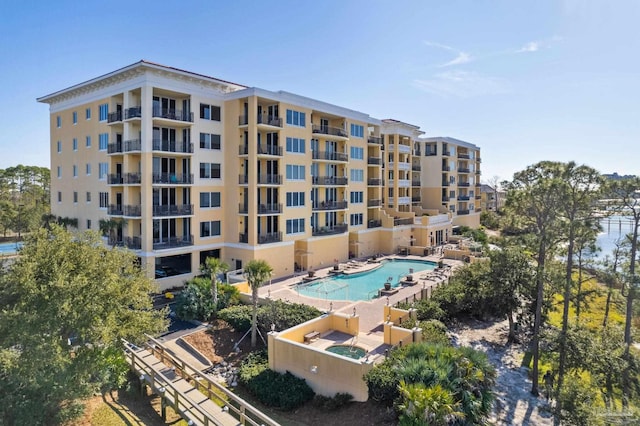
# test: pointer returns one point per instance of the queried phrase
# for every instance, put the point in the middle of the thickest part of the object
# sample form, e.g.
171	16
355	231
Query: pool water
9	248
364	285
353	352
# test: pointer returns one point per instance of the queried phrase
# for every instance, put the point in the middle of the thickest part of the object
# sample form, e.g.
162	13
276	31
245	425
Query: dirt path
514	403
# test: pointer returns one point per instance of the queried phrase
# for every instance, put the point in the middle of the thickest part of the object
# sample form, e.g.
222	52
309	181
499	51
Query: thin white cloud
461	57
462	84
532	46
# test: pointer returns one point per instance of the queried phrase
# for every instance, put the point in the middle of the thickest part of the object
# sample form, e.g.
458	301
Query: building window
295	172
209	199
103	112
210	229
357	175
296	118
75	197
59	144
88	197
295	199
103	141
75	117
356	197
104	200
88	169
88	223
295	145
88	142
59	196
75	171
210	170
295	226
75	144
103	169
87	113
355	219
452	208
58	122
209	141
59	171
210	112
357	153
357	130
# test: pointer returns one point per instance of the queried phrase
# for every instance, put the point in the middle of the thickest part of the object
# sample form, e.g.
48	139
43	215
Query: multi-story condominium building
188	166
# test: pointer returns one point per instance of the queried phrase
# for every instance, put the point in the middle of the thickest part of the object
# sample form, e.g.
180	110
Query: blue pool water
365	285
9	248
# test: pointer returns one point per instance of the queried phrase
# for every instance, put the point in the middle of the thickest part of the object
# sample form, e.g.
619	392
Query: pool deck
369	311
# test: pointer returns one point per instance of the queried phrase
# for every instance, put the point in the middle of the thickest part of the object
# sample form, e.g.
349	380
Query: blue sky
526	81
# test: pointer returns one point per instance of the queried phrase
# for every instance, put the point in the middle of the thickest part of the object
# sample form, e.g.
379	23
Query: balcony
328	130
273	208
173	178
417	152
374	181
243	238
114	117
463	170
132	178
173	210
173	114
269	120
132	211
172	146
243	150
126	146
416	167
329	155
329	205
375	140
270	150
416	199
445	183
463	156
133	112
445	198
465	184
330	180
416	183
479	160
446	168
115	179
243	179
269	179
375	161
374	223
172	242
463	198
446	153
270	237
430	153
374	203
463	212
133	243
403	221
329	230
115	210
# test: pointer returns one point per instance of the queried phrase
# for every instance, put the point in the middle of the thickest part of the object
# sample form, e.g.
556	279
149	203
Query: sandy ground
514	403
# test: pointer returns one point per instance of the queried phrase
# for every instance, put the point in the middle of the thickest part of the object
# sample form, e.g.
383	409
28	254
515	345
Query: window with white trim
357	153
355	219
210	228
59	196
59	146
295	172
296	145
103	141
210	170
75	197
295	199
210	112
87	142
295	226
296	118
58	122
75	117
104	200
209	199
357	175
87	113
356	197
103	170
103	112
357	130
88	169
59	171
209	141
75	144
88	197
75	171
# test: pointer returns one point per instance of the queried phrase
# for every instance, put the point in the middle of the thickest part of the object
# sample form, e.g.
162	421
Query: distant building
616	176
490	199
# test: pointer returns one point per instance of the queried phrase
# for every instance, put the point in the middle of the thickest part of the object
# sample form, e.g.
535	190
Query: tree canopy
65	305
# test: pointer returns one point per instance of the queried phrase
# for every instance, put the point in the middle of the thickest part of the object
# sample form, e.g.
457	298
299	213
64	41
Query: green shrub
239	317
409	323
434	331
428	309
195	301
283	314
336	402
282	391
382	382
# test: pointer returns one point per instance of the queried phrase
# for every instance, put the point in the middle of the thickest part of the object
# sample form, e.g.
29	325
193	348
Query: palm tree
213	266
109	226
257	272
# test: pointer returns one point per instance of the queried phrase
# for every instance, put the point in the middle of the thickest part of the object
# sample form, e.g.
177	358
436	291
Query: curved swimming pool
364	285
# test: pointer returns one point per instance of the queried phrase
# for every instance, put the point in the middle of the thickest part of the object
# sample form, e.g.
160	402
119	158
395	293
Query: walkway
193	395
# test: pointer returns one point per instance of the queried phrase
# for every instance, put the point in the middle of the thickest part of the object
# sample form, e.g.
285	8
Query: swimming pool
364	285
353	352
9	248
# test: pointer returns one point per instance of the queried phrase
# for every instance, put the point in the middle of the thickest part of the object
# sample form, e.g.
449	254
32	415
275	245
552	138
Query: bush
195	302
238	317
339	400
284	315
428	309
434	331
382	382
490	219
283	391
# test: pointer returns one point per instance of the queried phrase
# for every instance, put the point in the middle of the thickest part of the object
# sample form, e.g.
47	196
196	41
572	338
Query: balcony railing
374	160
416	183
374	203
126	146
445	198
115	210
430	153
446	153
271	237
463	170
403	221
465	184
445	183
115	179
416	199
273	208
173	114
330	205
329	230
374	181
173	178
463	156
270	179
416	167
173	210
463	212
171	242
243	150
133	112
243	179
114	148
114	117
375	140
132	178
243	208
417	152
133	243
328	130
243	238
329	155
132	210
478	197
269	150
270	120
463	198
172	146
374	224
445	168
329	180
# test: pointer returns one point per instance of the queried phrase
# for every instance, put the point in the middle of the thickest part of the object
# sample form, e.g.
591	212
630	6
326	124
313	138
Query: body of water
614	229
7	249
365	285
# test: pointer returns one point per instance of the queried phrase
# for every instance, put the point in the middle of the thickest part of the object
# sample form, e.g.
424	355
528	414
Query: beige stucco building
195	166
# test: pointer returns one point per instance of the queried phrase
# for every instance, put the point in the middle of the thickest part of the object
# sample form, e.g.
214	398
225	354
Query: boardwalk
198	399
